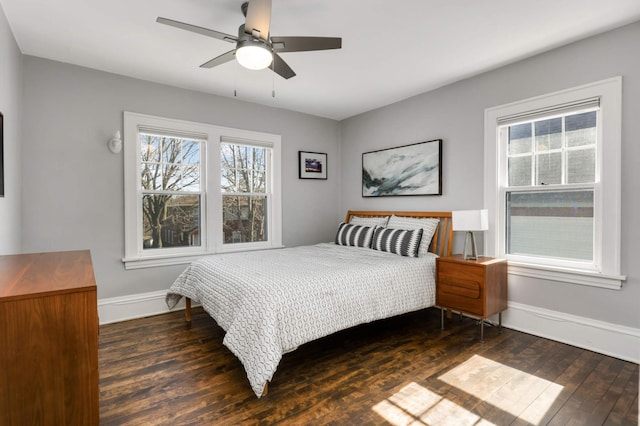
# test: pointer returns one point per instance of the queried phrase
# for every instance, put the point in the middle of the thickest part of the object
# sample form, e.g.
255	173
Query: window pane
581	166
520	171
258	182
548	134
171	148
242	168
581	129
151	176
191	178
520	139
170	163
190	152
244	219
228	180
170	221
556	224
549	168
150	147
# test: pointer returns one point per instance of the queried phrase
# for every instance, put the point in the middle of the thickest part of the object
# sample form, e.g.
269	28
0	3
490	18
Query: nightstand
477	288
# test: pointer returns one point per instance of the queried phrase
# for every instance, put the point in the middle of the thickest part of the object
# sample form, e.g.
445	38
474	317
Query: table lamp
470	220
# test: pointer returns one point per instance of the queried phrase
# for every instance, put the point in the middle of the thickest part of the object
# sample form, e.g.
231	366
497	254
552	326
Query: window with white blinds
555	196
194	188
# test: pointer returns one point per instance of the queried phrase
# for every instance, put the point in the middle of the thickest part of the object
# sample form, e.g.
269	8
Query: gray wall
455	113
73	185
10	107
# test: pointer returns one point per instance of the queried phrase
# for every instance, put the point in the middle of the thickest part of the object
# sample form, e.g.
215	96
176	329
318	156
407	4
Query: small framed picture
312	165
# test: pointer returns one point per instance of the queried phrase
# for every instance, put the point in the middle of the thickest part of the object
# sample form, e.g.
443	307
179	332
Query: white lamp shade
254	56
470	220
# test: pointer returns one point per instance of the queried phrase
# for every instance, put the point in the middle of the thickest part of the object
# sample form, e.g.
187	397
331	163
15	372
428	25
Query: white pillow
428	225
369	221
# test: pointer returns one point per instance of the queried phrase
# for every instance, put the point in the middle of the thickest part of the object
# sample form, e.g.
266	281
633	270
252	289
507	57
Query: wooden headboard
442	242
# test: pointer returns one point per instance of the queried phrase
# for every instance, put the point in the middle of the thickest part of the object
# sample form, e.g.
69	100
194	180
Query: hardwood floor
401	371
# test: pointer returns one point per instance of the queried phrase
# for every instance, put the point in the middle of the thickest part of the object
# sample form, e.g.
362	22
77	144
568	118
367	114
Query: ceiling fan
255	48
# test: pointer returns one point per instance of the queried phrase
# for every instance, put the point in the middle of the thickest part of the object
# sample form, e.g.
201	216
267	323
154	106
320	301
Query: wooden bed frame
441	243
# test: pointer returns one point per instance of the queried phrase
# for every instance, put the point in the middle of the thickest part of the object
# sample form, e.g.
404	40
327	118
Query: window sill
593	279
152	262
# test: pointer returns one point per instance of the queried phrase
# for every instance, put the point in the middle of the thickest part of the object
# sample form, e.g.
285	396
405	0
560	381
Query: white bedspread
271	302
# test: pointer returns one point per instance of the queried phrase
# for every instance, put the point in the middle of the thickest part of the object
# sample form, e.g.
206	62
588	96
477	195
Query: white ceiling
391	49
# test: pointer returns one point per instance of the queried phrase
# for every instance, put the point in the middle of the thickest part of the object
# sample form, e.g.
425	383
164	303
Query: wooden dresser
48	339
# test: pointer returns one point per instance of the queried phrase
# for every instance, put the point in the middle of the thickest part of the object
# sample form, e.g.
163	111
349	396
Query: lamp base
470	240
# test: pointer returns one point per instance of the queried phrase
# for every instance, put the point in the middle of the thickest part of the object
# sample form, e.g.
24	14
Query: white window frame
212	240
605	270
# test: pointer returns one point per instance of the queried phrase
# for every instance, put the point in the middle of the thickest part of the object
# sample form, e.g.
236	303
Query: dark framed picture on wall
312	165
1	155
414	169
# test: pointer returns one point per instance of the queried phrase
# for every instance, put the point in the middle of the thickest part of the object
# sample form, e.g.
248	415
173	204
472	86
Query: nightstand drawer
468	289
456	271
460	294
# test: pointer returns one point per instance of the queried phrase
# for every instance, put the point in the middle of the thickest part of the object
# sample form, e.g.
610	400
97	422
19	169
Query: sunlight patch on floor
520	394
417	405
516	392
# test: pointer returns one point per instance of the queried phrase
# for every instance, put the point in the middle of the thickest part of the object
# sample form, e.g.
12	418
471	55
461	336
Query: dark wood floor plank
161	371
571	380
625	409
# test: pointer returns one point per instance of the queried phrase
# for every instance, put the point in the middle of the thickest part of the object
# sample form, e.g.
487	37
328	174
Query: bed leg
265	390
187	310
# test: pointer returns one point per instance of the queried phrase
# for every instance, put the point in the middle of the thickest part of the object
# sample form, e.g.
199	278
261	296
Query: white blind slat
246	142
156	131
581	105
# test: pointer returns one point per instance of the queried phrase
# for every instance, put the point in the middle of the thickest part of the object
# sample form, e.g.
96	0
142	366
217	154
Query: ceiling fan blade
280	67
219	60
258	19
200	30
301	44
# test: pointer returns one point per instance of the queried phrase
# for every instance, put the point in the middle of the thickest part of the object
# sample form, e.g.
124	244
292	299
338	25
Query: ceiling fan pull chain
235	81
273	80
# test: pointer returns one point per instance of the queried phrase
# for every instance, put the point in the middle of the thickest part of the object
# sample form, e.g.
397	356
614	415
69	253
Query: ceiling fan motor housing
252	52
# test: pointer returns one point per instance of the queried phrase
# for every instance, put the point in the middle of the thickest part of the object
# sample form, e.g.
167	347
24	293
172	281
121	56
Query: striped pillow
355	236
404	242
429	226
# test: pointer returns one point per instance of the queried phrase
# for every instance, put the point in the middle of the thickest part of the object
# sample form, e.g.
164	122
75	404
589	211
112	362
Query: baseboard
606	338
125	308
598	336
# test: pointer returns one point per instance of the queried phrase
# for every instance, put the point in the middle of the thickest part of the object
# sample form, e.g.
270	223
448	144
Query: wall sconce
115	143
470	220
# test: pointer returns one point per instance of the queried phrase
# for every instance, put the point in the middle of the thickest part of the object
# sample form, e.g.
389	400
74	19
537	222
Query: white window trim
135	257
608	215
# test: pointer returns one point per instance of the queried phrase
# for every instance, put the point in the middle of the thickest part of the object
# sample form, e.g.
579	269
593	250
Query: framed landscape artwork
405	170
312	165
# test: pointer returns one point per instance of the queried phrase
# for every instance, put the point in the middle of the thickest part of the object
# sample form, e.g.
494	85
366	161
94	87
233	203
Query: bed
381	264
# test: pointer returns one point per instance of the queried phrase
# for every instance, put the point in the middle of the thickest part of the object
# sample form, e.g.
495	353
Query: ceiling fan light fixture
253	54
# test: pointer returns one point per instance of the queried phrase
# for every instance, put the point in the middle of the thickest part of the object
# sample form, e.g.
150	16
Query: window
550	185
554	195
170	188
244	195
194	189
